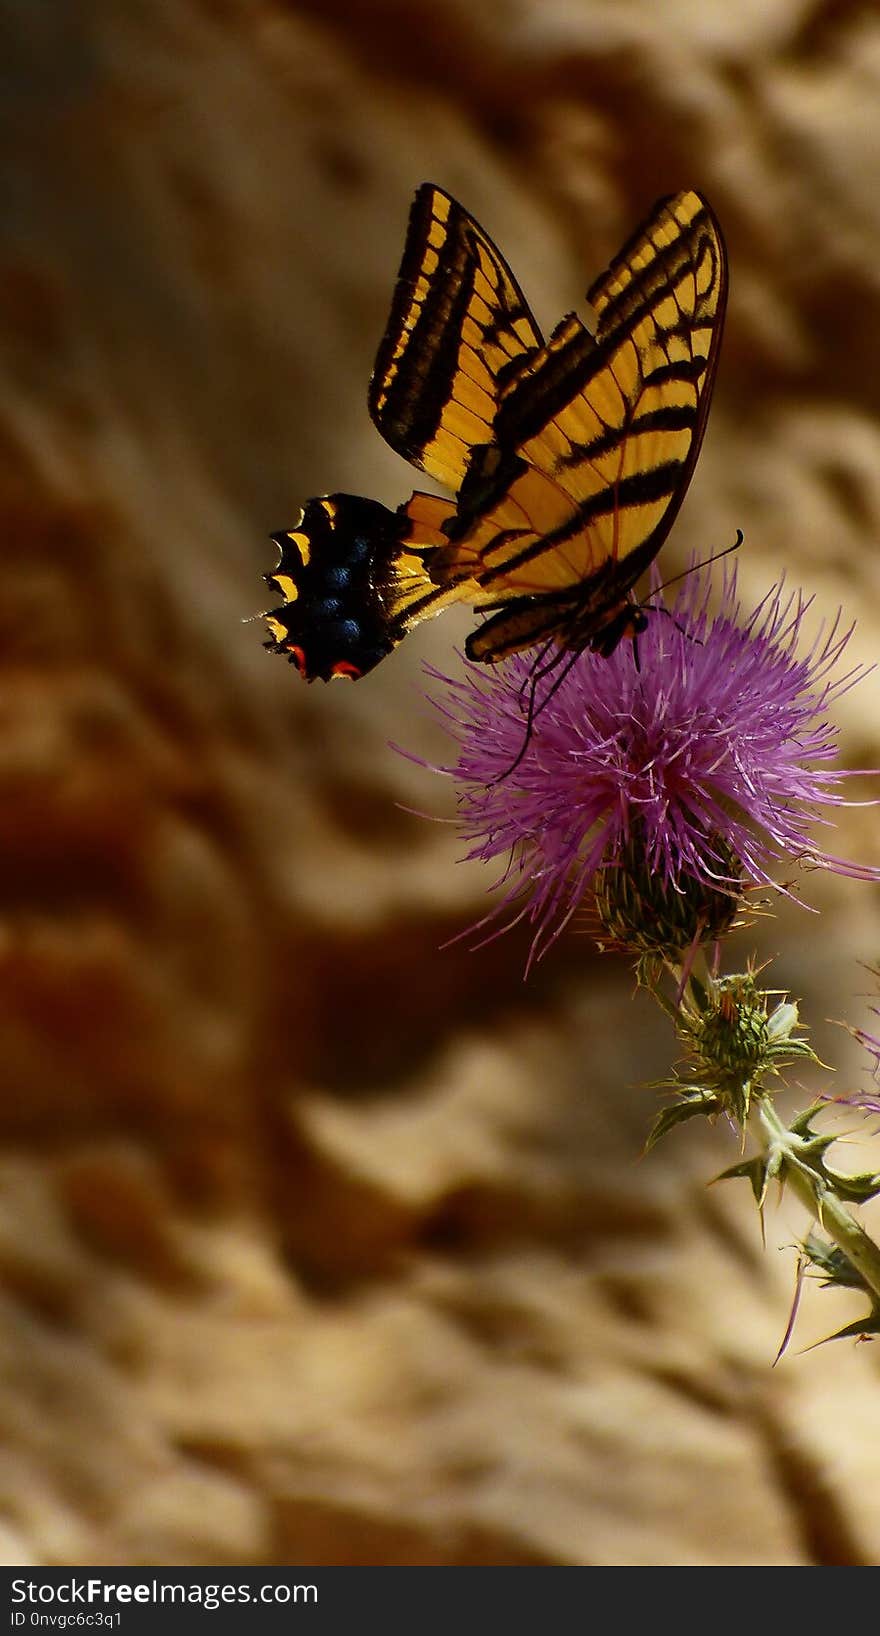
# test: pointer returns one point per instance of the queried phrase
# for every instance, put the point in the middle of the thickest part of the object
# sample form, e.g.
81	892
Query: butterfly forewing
458	319
612	425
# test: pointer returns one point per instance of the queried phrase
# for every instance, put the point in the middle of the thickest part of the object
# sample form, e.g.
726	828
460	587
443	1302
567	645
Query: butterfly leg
562	660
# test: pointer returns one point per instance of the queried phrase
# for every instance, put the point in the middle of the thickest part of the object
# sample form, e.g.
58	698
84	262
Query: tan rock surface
319	1244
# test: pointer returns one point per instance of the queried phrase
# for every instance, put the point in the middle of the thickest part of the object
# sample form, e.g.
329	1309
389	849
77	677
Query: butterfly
567	460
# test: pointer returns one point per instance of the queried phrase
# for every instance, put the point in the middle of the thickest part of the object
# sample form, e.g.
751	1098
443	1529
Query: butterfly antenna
696	566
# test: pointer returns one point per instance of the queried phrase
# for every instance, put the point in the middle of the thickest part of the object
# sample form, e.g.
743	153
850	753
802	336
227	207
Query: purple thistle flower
863	1100
867	1101
706	756
871	1044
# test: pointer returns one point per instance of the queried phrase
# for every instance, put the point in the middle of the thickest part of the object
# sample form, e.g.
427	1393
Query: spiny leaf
788	1049
755	1170
801	1121
839	1270
814	1145
861	1329
773	1165
677	1113
855	1189
831	1261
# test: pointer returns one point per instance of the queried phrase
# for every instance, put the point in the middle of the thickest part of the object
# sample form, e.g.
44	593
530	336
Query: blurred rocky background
319	1242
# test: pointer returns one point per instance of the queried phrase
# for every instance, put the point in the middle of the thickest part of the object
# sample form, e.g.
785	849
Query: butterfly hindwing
354	581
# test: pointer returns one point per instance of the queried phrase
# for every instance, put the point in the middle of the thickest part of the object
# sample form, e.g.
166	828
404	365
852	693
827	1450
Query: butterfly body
592	618
568	459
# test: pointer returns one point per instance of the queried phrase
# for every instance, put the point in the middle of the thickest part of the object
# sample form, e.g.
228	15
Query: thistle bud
645	911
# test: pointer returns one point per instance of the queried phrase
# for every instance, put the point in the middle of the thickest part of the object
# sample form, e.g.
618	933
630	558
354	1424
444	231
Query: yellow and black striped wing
595	439
458	321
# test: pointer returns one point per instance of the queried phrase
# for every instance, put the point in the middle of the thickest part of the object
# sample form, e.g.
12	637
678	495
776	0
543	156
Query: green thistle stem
799	1172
